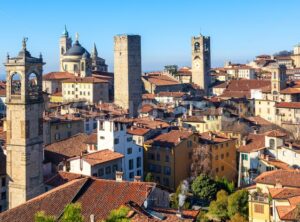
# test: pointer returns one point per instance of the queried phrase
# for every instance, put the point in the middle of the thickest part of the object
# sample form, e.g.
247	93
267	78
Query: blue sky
239	29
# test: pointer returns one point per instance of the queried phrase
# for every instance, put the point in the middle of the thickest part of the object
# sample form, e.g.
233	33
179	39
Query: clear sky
239	29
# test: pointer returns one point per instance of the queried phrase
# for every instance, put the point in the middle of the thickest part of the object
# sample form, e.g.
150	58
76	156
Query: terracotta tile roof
161	80
254	142
289	105
146	108
91	139
2	92
242	88
100	157
138	131
257	120
149	123
290	90
85	80
96	196
57	76
213	137
194	119
275	133
284	193
148	96
277	163
61	178
171	138
286	213
222	85
171	94
65	149
287	178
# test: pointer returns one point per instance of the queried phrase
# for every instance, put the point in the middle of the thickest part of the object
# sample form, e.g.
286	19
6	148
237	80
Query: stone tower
65	43
24	147
127	72
278	80
201	61
296	56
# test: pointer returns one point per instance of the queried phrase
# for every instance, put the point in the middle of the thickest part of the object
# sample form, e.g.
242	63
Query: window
167	158
57	136
272	143
131	175
222	156
3	182
116	141
129	150
129	139
3	195
222	168
244	156
151	156
138	162
130	164
115	168
100	172
139	173
101	125
190	143
167	170
158	157
259	208
217	170
102	137
108	170
166	182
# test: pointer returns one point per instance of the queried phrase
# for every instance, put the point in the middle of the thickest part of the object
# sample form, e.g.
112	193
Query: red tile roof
57	76
61	178
287	178
100	157
290	90
171	94
254	142
96	196
289	105
214	137
161	80
138	131
148	96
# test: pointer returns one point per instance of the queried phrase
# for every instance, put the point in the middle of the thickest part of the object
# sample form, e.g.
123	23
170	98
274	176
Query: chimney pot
119	176
137	178
92	218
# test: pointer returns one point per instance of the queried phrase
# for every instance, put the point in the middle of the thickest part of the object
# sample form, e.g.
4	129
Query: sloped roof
58	76
96	196
171	138
287	178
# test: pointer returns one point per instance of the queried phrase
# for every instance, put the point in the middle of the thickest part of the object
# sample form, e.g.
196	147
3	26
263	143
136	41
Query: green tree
175	199
118	215
238	203
149	177
218	207
72	212
204	187
224	184
238	218
42	217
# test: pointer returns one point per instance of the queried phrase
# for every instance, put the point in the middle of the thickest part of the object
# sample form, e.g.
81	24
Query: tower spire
65	32
95	51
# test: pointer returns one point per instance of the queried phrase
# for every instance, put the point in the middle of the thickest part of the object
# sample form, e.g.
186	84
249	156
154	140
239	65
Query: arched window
82	66
75	68
272	143
62	51
197	46
33	89
16	84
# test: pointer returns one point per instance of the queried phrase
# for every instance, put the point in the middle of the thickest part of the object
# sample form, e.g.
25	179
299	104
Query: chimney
255	131
244	142
81	161
137	178
92	218
278	184
291	145
267	157
119	176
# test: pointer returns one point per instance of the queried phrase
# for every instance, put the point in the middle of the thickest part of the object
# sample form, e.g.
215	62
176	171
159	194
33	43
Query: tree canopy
204	187
218	207
118	215
238	203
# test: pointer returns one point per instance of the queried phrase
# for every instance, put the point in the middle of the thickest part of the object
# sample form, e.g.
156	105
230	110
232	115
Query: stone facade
24	127
128	70
201	61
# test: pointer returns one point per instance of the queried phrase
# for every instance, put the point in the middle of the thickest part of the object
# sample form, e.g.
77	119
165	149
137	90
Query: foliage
218	207
238	203
175	199
238	218
72	212
119	215
224	184
202	217
149	177
42	217
204	187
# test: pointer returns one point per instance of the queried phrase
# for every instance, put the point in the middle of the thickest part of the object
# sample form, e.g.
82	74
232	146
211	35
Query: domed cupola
77	49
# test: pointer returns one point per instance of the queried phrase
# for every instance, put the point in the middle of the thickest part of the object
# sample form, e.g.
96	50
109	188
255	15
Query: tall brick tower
127	72
24	127
65	43
201	61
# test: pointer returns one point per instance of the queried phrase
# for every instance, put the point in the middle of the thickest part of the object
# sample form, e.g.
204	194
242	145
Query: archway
16	84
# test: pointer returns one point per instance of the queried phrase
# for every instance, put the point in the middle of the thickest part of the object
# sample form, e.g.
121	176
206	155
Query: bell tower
24	126
201	61
65	43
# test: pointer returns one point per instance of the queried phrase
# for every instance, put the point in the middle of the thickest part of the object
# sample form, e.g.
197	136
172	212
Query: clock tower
24	121
201	62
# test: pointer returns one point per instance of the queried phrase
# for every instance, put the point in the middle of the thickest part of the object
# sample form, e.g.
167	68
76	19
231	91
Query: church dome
77	50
